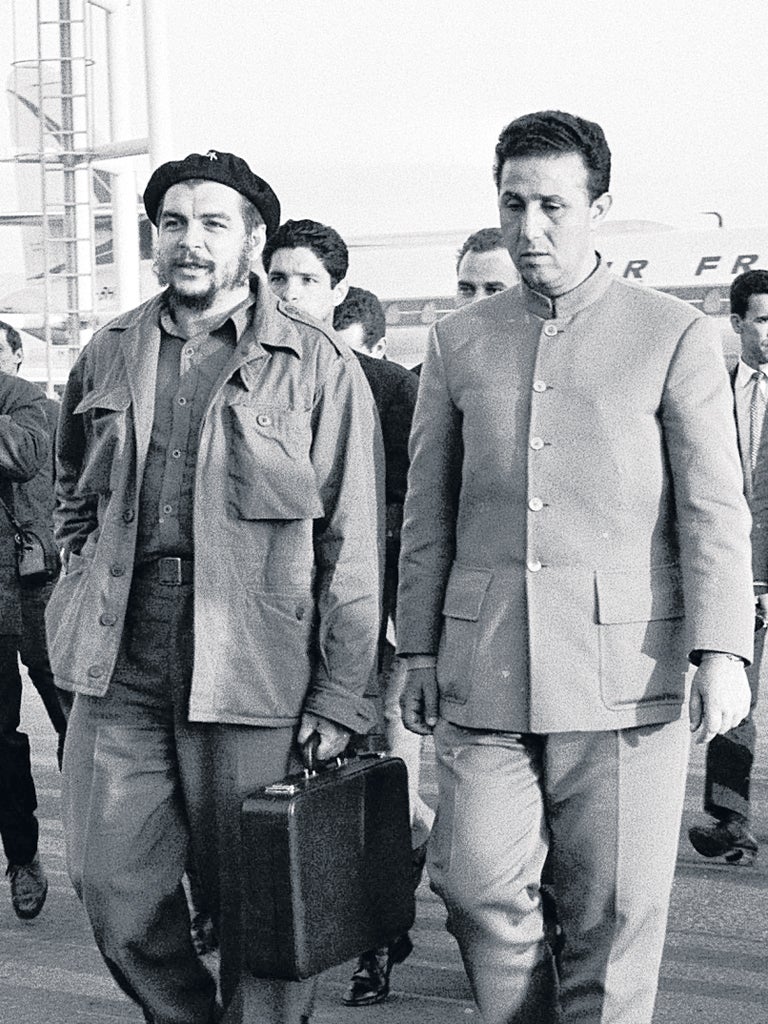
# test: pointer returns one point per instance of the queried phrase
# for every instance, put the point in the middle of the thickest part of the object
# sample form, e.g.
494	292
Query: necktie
756	417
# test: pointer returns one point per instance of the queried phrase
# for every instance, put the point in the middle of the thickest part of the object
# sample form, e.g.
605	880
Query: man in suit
575	536
730	756
483	267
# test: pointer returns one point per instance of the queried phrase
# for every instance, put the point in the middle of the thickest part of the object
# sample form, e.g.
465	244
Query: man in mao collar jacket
575	537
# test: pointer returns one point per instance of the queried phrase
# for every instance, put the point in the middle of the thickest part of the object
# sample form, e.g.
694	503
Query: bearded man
220	602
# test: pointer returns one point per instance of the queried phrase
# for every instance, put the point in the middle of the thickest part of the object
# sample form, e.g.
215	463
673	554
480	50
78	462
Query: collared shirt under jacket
285	522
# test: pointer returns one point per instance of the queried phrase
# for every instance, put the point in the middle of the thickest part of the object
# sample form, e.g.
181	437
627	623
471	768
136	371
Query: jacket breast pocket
106	424
270	470
640	615
462	626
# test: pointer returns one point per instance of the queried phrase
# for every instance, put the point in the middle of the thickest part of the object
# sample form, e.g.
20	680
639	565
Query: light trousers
606	807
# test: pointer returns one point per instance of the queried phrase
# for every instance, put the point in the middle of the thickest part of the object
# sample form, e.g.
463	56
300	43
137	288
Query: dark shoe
370	982
729	839
204	937
29	887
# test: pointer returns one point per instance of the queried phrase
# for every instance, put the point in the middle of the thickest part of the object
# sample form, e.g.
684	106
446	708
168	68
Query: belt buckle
169	572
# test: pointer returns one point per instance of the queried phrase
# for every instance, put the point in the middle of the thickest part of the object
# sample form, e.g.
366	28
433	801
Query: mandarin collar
578	298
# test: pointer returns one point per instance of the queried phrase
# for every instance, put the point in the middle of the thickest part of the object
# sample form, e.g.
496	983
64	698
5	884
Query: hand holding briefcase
327	866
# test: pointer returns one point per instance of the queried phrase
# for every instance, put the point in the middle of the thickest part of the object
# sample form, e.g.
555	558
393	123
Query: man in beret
220	599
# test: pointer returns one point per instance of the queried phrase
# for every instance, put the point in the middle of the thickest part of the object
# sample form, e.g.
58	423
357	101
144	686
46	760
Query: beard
226	278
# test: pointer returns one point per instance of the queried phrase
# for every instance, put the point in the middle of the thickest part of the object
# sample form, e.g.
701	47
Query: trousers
18	798
144	790
605	809
730	756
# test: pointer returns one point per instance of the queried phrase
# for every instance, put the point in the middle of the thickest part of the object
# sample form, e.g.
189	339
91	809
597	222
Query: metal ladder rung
66	241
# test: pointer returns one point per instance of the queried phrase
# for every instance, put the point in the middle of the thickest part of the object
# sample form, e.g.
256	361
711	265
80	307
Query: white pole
125	222
158	91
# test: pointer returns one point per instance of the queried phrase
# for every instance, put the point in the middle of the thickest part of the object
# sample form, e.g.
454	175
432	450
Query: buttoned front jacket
575	524
284	520
756	491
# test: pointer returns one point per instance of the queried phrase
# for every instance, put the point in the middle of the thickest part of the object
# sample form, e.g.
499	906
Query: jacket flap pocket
465	592
116	399
270	470
639	595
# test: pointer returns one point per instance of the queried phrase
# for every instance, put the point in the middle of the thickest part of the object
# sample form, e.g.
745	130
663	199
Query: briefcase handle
311	761
309	753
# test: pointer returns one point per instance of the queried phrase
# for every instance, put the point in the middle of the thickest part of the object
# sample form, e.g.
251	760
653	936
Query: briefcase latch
282	789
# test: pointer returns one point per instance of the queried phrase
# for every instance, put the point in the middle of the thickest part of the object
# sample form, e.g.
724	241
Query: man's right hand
419	701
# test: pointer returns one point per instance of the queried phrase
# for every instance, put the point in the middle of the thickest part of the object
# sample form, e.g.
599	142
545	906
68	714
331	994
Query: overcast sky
382	116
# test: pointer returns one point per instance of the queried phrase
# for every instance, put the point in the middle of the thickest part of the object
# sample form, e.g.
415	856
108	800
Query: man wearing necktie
730	756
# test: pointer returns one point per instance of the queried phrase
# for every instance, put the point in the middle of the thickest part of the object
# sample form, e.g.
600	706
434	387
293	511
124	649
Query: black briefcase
326	866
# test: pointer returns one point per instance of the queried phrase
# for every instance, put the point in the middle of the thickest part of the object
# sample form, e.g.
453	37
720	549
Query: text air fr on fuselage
633	269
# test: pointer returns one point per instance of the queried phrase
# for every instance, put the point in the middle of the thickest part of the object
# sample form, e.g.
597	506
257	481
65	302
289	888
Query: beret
225	168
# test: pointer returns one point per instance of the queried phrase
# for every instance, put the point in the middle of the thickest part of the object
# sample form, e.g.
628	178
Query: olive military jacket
284	523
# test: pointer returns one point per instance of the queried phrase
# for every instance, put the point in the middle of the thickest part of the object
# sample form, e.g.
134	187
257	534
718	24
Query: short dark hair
325	243
362	307
12	336
553	132
751	282
484	240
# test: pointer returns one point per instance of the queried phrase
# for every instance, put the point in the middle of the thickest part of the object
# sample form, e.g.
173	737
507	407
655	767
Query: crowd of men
537	548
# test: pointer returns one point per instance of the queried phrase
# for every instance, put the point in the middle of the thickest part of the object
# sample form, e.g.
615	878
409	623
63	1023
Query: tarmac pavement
715	967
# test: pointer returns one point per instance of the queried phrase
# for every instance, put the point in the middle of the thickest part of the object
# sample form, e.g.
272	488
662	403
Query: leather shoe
731	840
29	887
370	982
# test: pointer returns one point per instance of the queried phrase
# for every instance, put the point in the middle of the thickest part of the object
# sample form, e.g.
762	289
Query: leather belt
169	572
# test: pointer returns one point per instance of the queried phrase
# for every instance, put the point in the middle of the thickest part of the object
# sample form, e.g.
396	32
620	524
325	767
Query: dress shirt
742	389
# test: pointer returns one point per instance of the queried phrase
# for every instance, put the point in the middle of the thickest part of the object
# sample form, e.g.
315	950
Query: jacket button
263	420
539	386
550	330
129	515
107	619
117	570
299	613
96	671
535	504
537	444
534	565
